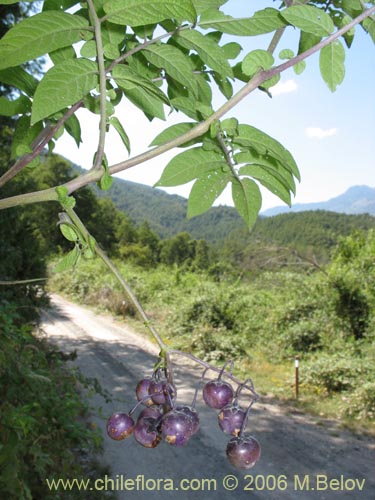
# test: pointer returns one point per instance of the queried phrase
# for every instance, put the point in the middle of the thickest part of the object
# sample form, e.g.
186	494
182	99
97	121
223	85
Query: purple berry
217	394
161	392
243	451
142	391
120	426
231	418
176	428
153	412
192	414
146	431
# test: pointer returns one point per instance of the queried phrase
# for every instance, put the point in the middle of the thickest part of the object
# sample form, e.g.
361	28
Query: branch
129	292
102	87
215	369
22	282
254	83
142	46
195	132
26	199
44	137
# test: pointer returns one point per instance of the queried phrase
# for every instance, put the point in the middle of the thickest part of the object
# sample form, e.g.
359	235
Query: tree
165	56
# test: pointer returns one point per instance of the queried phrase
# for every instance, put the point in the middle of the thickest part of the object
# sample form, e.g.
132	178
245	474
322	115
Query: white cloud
284	87
319	133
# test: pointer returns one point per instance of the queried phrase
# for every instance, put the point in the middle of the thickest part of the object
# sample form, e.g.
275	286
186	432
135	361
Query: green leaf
190	165
306	41
247	200
64	199
214	129
205	191
341	21
106	181
128	79
268	178
204	92
231	50
299	67
263	21
331	62
208	50
202	5
265	145
39	34
73	128
60	55
309	18
369	25
69	261
147	102
23	136
115	122
16	107
174	62
187	106
286	54
270	164
141	12
69	232
224	85
172	132
19	78
230	126
88	49
113	35
62	86
257	60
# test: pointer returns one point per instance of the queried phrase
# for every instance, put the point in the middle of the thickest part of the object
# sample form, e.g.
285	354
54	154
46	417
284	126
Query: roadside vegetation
324	315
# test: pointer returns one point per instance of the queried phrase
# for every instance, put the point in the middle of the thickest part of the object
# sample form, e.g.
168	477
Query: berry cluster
162	419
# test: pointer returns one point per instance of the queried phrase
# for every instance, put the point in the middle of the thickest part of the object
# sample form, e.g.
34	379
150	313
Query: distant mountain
356	200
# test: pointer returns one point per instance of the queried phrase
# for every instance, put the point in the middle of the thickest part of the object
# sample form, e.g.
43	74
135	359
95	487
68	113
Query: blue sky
331	135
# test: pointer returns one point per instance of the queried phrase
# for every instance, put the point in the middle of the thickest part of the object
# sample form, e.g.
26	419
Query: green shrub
361	403
337	373
41	414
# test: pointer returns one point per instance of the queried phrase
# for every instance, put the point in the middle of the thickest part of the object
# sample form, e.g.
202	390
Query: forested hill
166	214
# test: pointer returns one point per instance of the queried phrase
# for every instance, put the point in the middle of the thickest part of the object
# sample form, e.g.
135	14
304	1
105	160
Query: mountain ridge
355	200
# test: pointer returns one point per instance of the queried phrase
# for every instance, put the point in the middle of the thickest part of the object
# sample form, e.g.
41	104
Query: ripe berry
154	412
176	427
217	394
162	392
142	391
231	418
192	414
120	426
243	451
147	431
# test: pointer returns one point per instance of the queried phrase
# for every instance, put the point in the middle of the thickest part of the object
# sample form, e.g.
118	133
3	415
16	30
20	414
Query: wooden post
296	367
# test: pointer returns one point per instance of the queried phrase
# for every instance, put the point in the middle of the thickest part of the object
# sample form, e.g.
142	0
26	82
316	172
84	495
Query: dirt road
302	457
